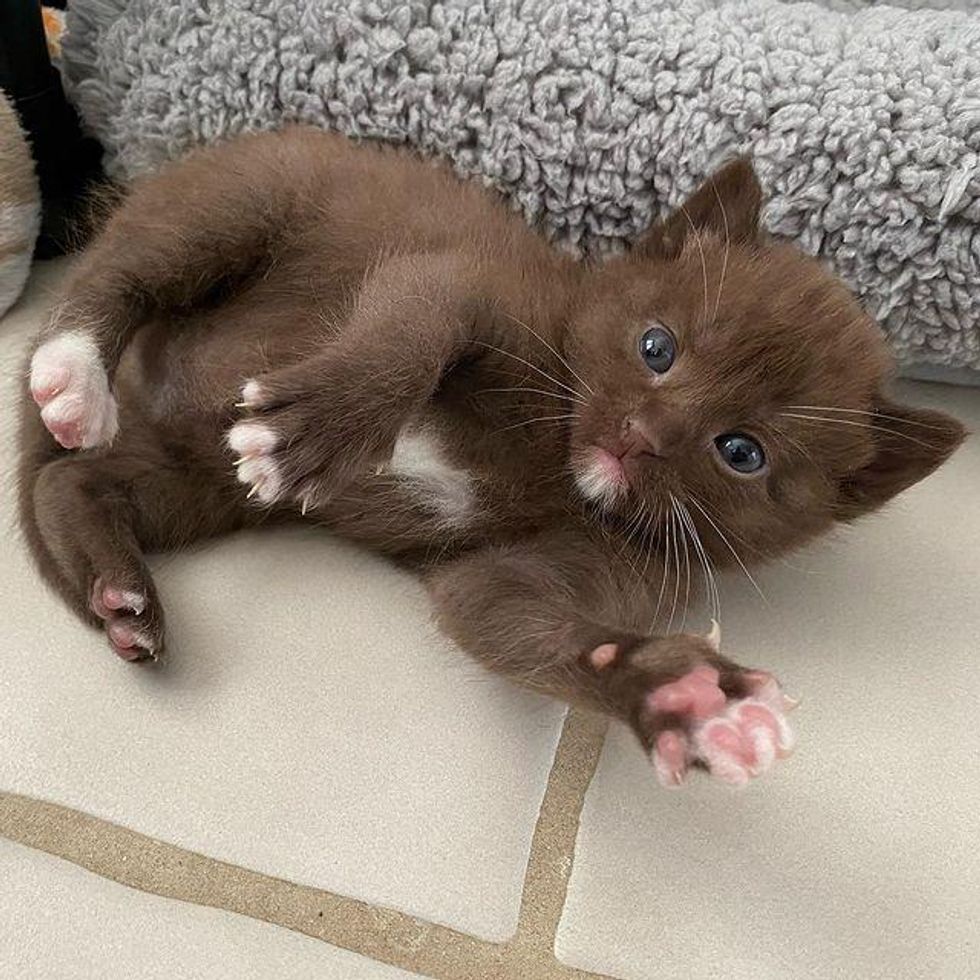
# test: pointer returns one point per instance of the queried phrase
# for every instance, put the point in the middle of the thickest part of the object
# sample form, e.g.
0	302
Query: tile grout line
549	865
385	935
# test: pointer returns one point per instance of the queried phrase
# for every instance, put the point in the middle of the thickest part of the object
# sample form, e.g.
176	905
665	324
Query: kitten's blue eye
742	454
658	349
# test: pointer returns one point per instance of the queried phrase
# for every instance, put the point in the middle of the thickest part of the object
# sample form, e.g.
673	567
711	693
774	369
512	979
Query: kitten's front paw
256	444
70	385
735	739
294	446
711	715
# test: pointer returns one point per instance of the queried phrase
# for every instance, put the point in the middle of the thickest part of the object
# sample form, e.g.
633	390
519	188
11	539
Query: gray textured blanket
592	115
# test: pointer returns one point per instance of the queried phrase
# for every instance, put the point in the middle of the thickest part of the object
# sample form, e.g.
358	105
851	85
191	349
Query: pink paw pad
744	742
736	740
128	643
107	601
696	694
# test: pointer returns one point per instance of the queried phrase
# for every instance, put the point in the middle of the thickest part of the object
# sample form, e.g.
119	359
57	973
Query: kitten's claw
70	386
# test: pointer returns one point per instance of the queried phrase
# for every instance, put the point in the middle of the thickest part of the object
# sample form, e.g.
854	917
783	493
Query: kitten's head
738	384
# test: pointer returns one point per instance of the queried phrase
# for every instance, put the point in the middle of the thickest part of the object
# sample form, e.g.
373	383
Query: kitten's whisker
661	527
687	571
794	442
677	567
708	567
560	357
711	586
533	367
859	425
704	265
627	538
648	546
858	411
731	548
535	391
540	418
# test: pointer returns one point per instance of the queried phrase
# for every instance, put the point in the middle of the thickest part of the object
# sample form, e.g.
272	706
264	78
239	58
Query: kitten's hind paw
70	386
130	621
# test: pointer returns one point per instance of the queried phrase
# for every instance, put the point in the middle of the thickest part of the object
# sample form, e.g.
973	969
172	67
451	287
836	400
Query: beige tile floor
317	758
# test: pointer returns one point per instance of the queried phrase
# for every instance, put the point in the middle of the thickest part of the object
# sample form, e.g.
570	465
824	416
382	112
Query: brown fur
365	288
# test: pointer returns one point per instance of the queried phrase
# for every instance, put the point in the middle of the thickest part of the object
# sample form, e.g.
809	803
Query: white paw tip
252	439
70	383
261	475
252	394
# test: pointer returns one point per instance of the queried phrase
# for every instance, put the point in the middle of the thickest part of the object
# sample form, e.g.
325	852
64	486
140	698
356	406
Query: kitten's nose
641	439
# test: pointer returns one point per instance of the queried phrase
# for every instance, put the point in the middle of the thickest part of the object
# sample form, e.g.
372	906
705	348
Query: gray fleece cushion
595	115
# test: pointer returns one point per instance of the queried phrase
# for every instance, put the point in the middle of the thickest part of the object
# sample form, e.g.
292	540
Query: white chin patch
596	485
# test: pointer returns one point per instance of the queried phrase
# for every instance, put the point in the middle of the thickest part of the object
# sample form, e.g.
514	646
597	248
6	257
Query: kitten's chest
468	474
423	468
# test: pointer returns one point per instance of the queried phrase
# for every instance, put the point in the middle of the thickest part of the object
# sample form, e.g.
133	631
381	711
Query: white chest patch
419	460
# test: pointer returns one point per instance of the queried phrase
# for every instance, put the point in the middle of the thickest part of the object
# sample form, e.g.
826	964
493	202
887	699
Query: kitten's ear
727	203
910	443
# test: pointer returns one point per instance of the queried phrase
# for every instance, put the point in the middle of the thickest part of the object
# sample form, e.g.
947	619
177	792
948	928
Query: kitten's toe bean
71	387
107	600
603	655
696	693
670	759
130	643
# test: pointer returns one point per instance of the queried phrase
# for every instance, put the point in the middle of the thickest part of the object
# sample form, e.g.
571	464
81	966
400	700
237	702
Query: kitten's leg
312	426
82	531
176	237
88	519
554	616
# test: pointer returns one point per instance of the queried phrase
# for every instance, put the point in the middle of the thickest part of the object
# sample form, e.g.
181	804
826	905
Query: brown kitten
365	342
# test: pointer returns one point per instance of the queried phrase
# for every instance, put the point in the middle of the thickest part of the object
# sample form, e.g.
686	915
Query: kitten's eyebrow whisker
858	411
704	265
561	358
859	425
728	545
533	367
728	248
